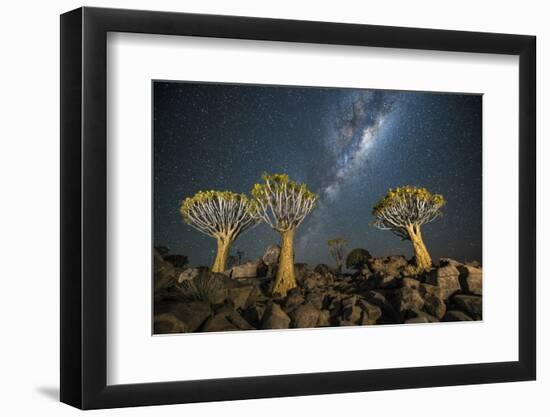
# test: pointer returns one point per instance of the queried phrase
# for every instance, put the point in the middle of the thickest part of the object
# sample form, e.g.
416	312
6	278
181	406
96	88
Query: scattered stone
301	271
446	278
389	265
274	318
421	314
322	269
432	290
456	315
411	283
471	279
293	299
249	269
352	313
238	321
448	261
218	323
349	302
371	313
435	306
383	291
417	320
470	304
240	295
177	317
315	299
304	316
253	314
406	298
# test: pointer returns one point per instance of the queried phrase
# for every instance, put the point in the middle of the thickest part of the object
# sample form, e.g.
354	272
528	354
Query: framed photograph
259	208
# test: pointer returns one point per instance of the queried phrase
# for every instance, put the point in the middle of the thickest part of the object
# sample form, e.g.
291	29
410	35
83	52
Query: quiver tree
337	248
403	211
222	215
283	204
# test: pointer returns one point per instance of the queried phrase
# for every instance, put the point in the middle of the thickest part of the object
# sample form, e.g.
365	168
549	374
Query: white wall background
29	236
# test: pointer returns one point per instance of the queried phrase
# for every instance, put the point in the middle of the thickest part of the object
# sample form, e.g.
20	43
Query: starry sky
348	145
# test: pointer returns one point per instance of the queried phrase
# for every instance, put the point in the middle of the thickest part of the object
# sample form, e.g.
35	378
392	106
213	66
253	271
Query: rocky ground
384	291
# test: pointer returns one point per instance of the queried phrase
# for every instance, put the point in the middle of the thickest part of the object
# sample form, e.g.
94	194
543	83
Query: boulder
446	278
274	318
249	269
304	316
301	271
322	269
448	261
240	295
371	312
417	320
271	255
352	313
335	307
238	321
315	299
218	323
470	304
324	319
389	265
317	279
435	306
411	283
428	318
432	290
178	317
253	314
293	299
349	302
456	315
471	279
377	298
406	298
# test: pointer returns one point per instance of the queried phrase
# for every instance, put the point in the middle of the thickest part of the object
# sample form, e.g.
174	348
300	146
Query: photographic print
287	207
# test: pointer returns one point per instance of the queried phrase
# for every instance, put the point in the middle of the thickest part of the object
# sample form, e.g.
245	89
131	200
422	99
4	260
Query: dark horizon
348	145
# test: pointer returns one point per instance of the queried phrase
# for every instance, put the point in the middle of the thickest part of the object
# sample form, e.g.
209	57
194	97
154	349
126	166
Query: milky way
348	145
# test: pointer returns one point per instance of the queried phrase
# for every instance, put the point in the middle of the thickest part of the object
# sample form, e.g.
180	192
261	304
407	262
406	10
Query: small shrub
357	259
205	287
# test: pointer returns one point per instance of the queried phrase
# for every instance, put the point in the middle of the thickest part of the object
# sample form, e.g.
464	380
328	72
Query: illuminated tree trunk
285	279
224	245
423	259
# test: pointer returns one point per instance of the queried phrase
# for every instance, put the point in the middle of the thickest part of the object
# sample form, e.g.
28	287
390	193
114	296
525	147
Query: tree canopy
407	206
219	213
281	202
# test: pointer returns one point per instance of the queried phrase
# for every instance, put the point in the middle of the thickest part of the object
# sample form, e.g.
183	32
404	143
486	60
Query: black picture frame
84	209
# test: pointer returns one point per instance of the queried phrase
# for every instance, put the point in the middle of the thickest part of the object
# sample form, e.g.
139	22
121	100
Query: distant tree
222	215
337	248
283	204
357	259
403	211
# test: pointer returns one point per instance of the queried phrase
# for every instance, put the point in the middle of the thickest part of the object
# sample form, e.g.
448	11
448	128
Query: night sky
348	145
